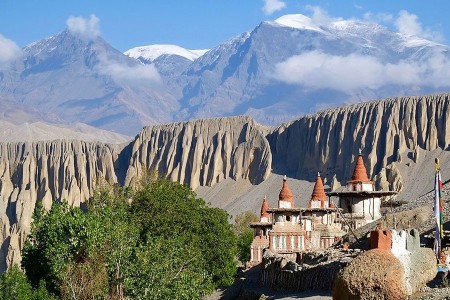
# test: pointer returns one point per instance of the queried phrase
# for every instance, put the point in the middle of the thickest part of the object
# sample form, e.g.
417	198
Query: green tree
165	208
244	233
120	235
168	268
59	237
14	285
155	241
169	209
41	293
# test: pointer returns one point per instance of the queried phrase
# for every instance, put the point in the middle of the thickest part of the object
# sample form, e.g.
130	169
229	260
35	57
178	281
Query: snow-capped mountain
278	71
288	67
170	60
152	52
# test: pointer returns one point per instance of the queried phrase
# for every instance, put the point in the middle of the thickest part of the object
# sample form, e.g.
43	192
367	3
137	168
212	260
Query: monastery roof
284	209
362	194
320	209
264	208
287	228
360	171
286	193
318	191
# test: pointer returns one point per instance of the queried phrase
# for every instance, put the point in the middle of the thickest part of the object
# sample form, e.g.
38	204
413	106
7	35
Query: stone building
261	231
359	200
319	219
287	236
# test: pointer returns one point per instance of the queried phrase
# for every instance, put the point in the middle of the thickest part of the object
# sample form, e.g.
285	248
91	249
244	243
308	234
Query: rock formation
396	269
395	134
203	152
375	274
47	172
384	130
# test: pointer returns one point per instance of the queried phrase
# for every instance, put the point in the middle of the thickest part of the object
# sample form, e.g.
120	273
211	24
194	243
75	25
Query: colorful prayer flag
438	209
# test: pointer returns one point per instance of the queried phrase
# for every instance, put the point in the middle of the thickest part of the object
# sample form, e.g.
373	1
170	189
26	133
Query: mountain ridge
271	72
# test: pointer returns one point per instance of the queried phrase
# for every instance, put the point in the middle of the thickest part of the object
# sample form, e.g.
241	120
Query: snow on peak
152	52
298	21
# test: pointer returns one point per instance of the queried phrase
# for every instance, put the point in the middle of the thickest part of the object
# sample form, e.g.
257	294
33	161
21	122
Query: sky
202	24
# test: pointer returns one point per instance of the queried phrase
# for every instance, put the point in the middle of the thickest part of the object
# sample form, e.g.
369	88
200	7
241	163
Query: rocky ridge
203	152
399	138
46	171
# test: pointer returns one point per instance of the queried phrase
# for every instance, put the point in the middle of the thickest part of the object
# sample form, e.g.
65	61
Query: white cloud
85	27
123	71
383	18
271	6
320	16
317	70
408	23
8	51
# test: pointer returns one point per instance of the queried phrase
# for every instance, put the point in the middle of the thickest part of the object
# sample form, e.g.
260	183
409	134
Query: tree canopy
155	241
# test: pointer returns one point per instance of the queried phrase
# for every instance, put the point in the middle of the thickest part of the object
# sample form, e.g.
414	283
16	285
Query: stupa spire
360	171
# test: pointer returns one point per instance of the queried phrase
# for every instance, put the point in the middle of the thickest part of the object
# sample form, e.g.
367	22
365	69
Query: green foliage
168	268
14	285
244	242
169	209
63	235
244	234
41	293
156	241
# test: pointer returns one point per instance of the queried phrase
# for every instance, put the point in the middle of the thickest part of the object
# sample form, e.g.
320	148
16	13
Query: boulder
375	274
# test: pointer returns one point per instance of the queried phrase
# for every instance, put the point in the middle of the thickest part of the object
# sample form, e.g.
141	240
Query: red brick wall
381	239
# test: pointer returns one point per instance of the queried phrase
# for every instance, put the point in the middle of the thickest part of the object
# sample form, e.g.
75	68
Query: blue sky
196	24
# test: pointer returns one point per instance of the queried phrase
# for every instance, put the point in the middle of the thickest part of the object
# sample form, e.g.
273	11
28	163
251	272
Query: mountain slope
77	80
276	72
273	72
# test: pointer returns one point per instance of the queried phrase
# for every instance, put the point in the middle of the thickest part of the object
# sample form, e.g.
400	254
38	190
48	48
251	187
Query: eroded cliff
47	172
387	131
399	138
203	152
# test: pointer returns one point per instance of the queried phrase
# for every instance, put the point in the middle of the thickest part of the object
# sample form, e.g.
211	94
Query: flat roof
285	209
362	193
260	224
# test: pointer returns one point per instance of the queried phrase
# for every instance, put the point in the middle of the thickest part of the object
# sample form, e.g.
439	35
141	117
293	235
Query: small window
288	218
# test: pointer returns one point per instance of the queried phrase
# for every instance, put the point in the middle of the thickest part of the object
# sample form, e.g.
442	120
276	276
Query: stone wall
396	268
318	271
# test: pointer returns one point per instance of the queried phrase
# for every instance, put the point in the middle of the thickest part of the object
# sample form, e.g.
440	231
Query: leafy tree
168	268
41	293
120	235
155	241
63	235
14	285
244	233
169	209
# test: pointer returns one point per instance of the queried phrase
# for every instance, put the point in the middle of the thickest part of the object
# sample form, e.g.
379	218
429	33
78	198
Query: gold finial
438	166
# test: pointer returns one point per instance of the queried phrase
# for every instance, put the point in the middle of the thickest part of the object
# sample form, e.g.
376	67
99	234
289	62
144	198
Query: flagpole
438	208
